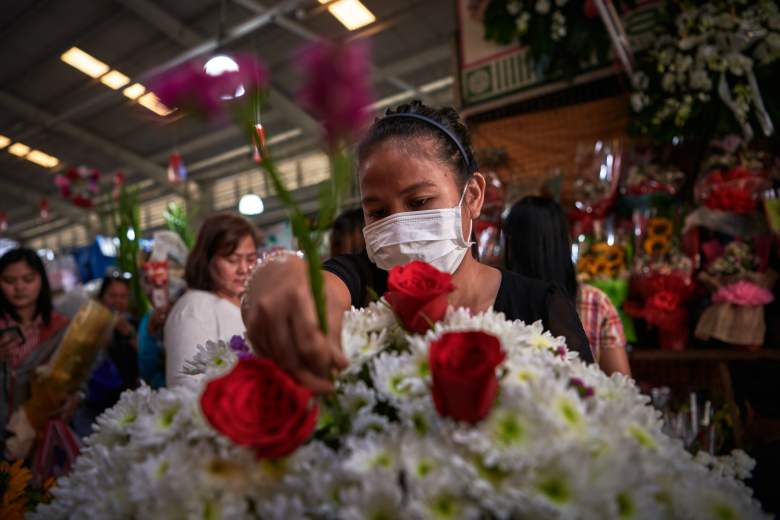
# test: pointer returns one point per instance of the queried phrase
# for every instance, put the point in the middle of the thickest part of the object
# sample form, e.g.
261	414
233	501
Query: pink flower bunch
189	88
336	88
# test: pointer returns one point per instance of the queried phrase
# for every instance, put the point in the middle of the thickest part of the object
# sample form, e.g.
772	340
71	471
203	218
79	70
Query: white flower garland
546	450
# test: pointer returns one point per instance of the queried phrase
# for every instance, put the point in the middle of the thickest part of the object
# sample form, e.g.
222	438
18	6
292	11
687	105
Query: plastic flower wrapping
543	436
740	288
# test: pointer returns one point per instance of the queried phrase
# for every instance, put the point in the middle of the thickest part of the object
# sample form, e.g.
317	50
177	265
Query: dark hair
219	235
43	307
538	244
108	280
348	222
447	151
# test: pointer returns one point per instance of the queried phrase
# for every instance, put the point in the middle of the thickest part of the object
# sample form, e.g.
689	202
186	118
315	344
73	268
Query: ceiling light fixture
42	159
19	149
4	141
251	204
84	62
351	13
115	80
153	103
220	64
134	91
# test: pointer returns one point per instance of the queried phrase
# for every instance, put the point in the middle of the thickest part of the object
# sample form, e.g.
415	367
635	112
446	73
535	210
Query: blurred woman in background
538	246
217	269
30	330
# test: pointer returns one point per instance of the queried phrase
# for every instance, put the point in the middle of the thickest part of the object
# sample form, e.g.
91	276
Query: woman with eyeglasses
30	330
421	191
216	271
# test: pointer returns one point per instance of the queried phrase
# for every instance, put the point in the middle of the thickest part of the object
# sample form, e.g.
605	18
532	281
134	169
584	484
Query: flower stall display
711	71
739	293
661	282
650	179
473	416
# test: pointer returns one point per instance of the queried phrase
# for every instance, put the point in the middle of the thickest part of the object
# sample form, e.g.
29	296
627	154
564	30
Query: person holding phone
30	329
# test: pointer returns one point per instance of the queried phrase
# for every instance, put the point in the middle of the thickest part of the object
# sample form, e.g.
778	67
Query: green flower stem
309	237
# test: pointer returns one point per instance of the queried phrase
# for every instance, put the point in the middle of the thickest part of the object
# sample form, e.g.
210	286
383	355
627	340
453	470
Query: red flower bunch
258	405
463	369
417	293
733	190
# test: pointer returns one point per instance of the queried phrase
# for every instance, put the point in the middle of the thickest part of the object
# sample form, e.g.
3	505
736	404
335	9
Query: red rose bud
417	292
258	405
590	9
463	368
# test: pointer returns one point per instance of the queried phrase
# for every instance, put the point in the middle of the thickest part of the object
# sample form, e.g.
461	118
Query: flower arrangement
602	260
707	74
475	417
563	37
739	293
649	179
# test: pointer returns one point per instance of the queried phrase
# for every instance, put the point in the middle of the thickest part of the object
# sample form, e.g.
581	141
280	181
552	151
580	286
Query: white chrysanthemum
375	496
356	398
113	425
396	377
213	358
374	453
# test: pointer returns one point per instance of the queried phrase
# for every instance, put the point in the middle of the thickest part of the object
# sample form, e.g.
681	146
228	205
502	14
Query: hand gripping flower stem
310	237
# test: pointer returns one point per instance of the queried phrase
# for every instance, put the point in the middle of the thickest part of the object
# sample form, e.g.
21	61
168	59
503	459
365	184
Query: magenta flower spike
189	88
336	88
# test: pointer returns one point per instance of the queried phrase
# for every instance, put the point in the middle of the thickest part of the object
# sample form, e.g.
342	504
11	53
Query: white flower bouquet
477	417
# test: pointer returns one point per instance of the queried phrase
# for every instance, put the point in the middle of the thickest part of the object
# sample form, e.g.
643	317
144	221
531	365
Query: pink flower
743	293
336	88
189	88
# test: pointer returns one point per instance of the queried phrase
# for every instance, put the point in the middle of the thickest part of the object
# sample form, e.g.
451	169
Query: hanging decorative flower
43	208
3	220
119	180
79	185
177	172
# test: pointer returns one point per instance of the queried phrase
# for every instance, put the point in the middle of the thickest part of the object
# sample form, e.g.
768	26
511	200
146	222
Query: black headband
433	122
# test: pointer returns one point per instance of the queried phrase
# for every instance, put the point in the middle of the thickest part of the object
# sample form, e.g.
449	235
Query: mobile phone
15	331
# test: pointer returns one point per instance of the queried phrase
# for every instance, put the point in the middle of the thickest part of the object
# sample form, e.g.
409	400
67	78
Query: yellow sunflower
657	245
659	227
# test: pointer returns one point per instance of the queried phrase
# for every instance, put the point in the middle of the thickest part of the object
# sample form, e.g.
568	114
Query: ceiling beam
122	155
307	34
33	198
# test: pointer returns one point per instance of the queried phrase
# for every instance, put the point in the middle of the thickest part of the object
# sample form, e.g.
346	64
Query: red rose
463	367
258	405
417	292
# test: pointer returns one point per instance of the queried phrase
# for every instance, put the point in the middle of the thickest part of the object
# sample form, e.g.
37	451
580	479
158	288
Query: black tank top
519	298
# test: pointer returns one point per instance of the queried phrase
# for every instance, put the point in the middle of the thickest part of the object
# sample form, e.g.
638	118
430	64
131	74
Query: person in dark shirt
420	192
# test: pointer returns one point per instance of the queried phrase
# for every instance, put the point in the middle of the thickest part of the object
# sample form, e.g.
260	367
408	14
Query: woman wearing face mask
217	267
420	193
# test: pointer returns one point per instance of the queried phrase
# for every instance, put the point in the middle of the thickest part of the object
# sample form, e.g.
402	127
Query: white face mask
434	236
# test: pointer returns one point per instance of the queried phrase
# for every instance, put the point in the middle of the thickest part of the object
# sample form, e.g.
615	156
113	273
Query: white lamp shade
250	204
